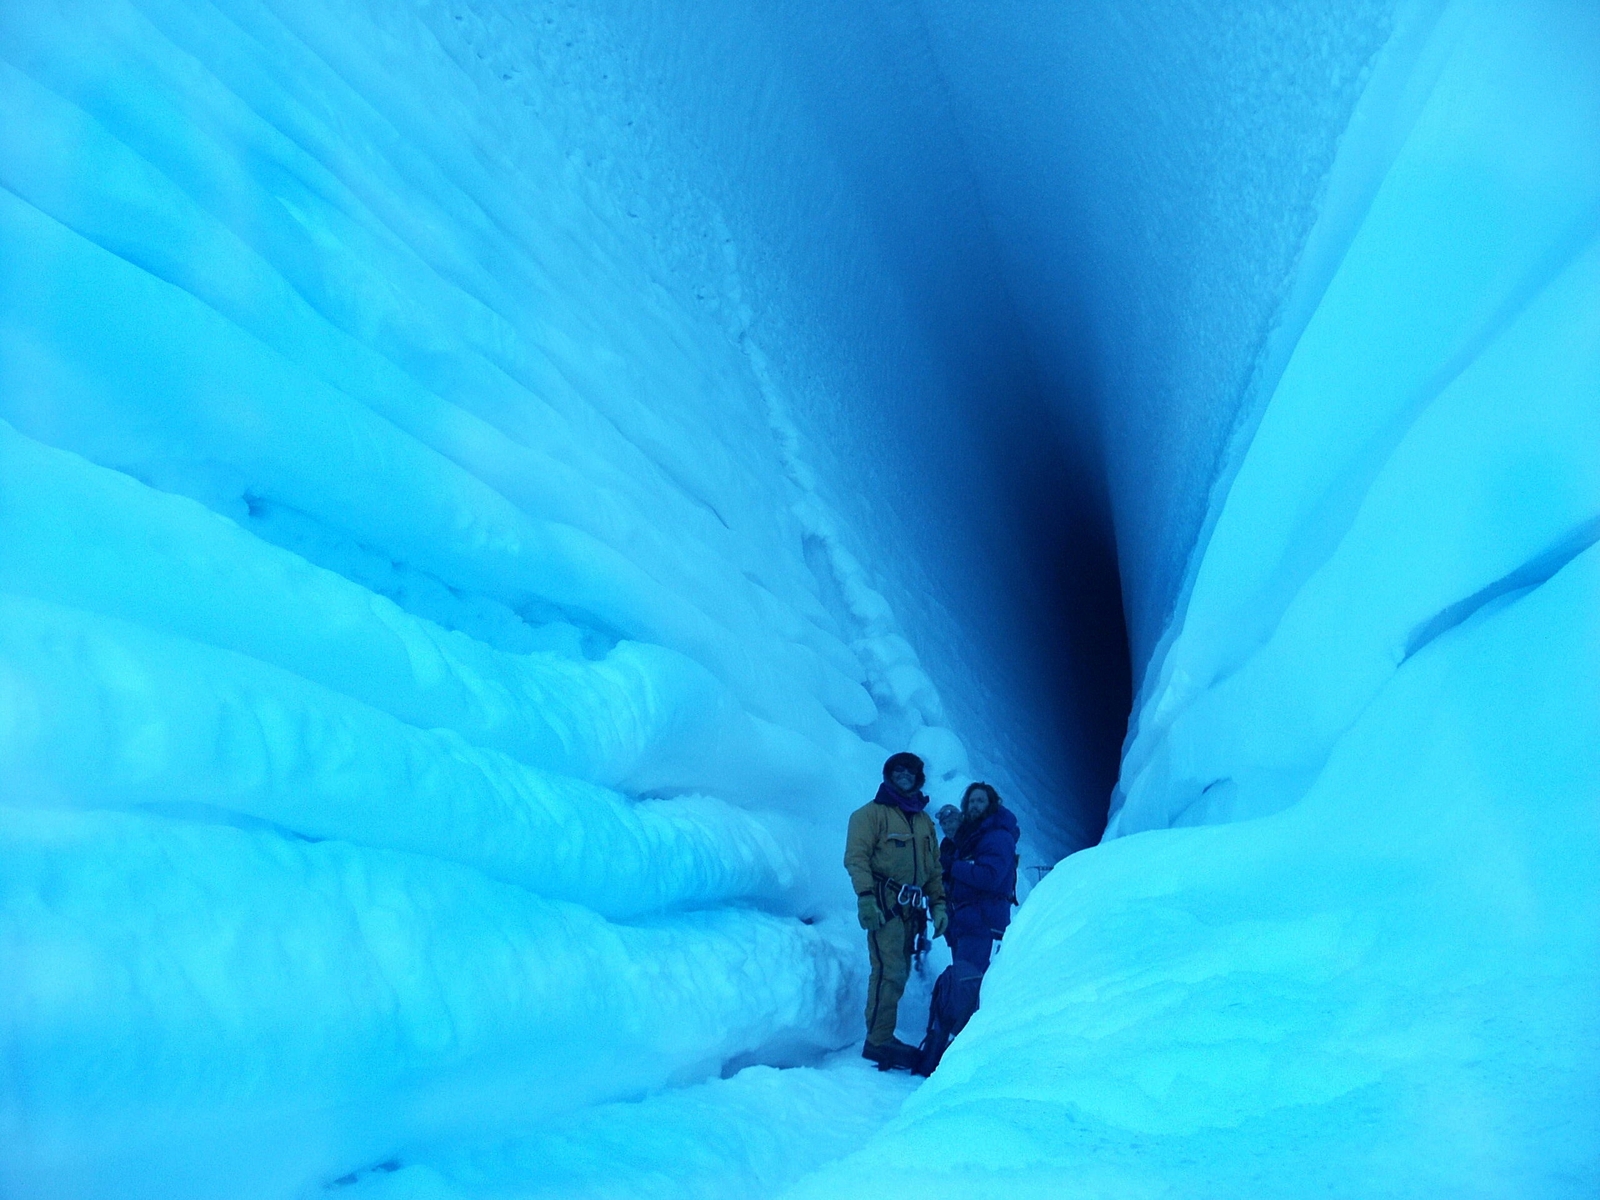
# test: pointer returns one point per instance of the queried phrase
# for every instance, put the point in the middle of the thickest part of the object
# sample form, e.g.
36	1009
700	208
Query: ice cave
484	484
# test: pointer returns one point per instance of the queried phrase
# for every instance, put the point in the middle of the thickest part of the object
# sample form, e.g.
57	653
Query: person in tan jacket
892	854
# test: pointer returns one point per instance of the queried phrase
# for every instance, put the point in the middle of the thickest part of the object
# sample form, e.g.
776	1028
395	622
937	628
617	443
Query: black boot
891	1055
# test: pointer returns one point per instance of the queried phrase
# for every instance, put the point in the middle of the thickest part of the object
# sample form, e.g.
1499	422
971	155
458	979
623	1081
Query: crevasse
483	485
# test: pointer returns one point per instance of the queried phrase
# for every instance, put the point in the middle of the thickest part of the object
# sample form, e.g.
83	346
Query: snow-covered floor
747	1137
752	1135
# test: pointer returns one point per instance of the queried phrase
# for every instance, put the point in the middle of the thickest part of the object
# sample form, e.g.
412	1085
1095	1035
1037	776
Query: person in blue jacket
980	875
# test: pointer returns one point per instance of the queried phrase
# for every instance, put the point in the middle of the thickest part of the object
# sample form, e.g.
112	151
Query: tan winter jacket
885	842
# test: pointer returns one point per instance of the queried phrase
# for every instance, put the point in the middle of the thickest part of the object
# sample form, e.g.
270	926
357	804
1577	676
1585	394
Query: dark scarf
895	798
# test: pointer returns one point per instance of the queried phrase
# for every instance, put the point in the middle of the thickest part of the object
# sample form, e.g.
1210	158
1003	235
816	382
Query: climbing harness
910	903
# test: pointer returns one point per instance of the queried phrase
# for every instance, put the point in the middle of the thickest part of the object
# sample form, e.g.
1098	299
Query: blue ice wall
1343	936
1441	351
972	482
477	507
1151	173
1090	223
434	675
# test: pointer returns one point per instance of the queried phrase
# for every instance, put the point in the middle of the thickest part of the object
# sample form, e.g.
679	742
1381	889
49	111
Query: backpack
955	999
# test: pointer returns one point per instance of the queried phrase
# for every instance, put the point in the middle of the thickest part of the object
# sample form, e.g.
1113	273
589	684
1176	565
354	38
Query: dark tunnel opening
1074	603
1084	630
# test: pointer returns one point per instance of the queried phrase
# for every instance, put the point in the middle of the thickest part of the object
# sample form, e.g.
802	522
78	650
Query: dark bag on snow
955	999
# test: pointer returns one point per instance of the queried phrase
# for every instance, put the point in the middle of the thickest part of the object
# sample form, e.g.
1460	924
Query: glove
941	920
868	913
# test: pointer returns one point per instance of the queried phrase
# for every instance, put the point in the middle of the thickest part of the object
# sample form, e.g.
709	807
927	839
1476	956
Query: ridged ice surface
431	685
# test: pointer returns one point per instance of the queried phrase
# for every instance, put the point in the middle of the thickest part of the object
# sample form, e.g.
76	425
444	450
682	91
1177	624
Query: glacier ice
483	485
428	699
1343	937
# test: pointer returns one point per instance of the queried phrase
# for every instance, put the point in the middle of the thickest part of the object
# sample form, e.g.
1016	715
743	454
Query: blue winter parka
981	876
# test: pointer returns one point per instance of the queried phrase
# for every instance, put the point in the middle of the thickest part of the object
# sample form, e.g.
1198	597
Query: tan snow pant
890	949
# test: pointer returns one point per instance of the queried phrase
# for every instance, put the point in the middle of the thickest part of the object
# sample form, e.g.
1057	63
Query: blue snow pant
974	950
